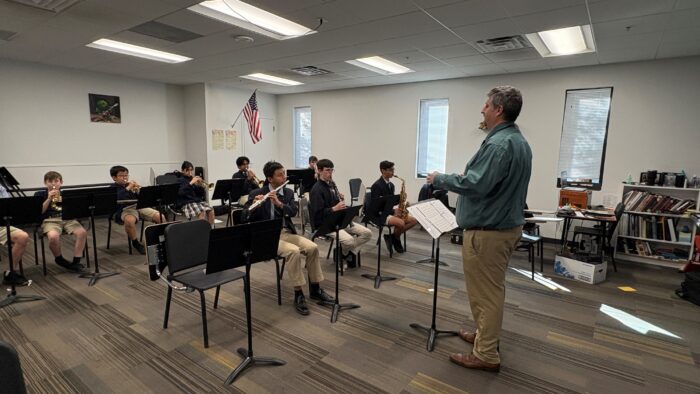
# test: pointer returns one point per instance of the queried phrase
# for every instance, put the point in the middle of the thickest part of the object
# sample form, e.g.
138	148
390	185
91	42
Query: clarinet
335	189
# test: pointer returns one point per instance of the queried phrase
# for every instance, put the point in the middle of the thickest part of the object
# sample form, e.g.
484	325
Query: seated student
244	172
128	215
19	239
313	160
53	225
291	246
191	196
383	187
324	199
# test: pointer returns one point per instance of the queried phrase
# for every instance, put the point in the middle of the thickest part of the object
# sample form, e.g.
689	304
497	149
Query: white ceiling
432	37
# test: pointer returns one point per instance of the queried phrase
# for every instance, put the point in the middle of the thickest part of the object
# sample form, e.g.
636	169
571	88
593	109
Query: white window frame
423	172
295	132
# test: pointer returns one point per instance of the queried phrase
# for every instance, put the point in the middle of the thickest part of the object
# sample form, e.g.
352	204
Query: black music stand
433	332
81	203
335	222
228	190
244	245
10	183
376	207
158	196
303	179
18	210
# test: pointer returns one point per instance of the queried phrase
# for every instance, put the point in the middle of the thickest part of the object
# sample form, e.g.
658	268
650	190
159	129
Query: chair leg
541	253
43	254
36	251
167	307
204	319
216	297
531	255
330	249
143	227
86	253
279	285
405	248
109	231
359	259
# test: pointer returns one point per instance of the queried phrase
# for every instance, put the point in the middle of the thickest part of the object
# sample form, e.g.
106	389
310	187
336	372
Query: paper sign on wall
231	139
217	139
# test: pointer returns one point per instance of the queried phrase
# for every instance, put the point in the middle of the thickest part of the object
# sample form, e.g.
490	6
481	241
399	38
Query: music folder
434	217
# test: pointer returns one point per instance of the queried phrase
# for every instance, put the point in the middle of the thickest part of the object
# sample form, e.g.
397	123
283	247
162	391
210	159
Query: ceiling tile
493	29
632	26
626	54
516	54
194	22
467	13
678	49
524	7
451	51
608	10
556	19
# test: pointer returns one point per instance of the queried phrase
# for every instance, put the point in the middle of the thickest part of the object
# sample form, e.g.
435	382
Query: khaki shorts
3	234
60	226
143	213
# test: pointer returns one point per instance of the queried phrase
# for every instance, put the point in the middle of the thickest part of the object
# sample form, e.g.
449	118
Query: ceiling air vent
310	71
6	35
502	44
165	32
48	5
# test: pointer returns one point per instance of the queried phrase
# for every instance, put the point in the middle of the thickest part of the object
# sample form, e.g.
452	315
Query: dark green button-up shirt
493	189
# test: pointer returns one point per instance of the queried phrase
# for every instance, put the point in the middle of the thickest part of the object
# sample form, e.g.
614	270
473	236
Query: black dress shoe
300	304
398	246
138	246
72	267
351	259
322	296
389	244
13	277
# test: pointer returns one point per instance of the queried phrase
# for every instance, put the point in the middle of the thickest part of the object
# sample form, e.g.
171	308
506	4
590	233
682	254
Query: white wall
652	123
222	106
45	125
195	125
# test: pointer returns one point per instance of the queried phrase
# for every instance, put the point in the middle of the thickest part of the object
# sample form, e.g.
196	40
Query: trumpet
204	184
482	125
133	186
56	200
255	179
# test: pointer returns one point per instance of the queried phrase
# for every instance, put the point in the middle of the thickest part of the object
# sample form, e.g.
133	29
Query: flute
260	201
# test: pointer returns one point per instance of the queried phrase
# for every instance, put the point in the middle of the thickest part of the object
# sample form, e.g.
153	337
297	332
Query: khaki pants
291	247
485	256
353	237
3	234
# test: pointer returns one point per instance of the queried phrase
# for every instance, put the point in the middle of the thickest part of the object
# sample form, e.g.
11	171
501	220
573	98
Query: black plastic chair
11	377
186	249
37	233
597	231
109	232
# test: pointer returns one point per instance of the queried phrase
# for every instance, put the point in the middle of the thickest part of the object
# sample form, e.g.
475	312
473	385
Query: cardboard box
575	198
579	270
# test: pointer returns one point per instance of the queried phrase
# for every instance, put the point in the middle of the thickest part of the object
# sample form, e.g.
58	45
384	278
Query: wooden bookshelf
646	225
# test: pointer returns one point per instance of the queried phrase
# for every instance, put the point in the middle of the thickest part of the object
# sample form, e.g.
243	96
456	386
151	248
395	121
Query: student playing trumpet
128	215
192	193
244	172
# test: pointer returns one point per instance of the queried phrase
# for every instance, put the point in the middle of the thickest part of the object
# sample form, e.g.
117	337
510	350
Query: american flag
252	116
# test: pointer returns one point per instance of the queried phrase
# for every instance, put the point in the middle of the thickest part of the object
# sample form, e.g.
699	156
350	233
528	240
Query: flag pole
239	114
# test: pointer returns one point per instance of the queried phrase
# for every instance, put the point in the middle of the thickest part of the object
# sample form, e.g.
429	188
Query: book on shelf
642	201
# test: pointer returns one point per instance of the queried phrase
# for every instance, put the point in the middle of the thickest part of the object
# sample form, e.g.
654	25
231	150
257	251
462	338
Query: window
302	136
432	137
583	137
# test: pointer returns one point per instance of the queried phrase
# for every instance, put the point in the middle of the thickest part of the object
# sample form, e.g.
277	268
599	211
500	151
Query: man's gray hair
510	99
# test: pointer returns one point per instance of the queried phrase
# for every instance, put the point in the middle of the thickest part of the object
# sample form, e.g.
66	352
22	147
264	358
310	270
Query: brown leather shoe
471	361
467	335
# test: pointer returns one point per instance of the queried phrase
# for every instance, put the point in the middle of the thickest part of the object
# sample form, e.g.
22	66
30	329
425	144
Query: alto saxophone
403	201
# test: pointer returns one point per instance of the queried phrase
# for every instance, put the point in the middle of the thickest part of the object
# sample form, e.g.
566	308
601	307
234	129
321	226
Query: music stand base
432	261
95	276
433	334
251	361
378	279
336	308
11	299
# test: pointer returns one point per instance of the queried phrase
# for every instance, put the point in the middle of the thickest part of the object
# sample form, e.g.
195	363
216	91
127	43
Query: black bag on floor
690	288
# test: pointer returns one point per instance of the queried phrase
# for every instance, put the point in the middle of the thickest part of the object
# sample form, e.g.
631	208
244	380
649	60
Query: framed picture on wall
104	108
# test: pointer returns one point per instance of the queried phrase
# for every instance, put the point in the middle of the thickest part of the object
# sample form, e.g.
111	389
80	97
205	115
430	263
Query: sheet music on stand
434	217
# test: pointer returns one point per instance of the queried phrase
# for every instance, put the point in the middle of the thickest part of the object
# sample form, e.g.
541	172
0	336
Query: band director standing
492	194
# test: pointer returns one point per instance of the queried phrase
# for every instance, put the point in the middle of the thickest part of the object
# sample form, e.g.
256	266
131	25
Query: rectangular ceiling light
135	50
379	65
251	18
271	79
562	42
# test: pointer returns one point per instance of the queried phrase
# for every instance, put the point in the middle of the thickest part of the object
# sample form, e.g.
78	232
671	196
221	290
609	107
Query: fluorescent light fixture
546	282
271	79
138	51
245	16
562	42
380	65
635	323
